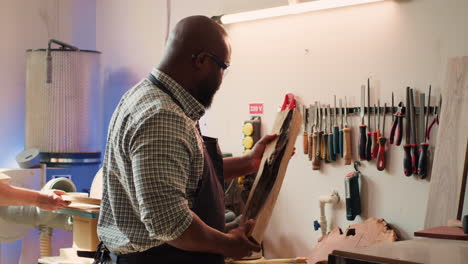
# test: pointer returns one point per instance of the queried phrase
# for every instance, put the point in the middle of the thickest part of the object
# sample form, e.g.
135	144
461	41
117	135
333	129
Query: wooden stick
265	261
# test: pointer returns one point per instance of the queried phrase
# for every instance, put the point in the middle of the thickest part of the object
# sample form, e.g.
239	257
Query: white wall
315	56
24	25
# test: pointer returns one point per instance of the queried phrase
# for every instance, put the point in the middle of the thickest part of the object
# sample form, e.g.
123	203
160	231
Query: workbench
415	251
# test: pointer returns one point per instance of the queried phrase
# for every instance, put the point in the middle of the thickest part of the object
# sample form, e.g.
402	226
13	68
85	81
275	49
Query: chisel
347	137
369	134
423	160
319	152
407	147
323	135
315	140
326	152
312	117
336	133
305	136
341	130
331	141
362	127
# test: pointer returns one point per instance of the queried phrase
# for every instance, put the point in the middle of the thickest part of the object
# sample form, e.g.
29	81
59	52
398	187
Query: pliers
436	119
397	125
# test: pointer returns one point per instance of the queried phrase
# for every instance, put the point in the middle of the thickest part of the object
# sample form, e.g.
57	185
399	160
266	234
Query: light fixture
290	9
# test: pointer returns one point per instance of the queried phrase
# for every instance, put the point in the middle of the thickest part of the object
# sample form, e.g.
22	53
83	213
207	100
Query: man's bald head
194	34
197	52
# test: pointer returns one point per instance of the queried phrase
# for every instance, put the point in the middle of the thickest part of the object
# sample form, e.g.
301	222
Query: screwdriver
305	136
312	117
347	137
382	142
369	134
331	142
336	133
362	127
376	133
422	164
319	153
315	140
407	147
326	150
341	130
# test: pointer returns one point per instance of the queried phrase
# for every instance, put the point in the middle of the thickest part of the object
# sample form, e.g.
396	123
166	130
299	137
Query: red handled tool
382	142
423	159
397	125
362	127
407	147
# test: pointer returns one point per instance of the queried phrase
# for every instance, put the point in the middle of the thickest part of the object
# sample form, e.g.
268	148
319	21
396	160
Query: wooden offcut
269	179
447	190
370	232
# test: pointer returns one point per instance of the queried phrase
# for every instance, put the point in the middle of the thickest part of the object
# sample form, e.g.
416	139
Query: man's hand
51	200
255	156
241	245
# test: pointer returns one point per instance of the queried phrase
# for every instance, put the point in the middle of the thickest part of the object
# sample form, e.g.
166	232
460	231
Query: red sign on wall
256	109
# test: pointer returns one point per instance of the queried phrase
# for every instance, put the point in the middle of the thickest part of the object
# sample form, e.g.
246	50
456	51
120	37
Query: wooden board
445	193
370	232
420	251
267	185
443	232
81	199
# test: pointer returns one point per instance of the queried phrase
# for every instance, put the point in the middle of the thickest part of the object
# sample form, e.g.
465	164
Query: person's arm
10	195
202	238
234	167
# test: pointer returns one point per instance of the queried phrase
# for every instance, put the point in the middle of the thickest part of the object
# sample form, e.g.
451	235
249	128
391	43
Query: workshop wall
24	25
317	55
314	55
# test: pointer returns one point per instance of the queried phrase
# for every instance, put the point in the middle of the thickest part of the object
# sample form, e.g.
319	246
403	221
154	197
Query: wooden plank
267	185
361	235
445	191
443	232
421	250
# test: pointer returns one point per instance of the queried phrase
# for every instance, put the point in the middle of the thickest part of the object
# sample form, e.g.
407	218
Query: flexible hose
45	242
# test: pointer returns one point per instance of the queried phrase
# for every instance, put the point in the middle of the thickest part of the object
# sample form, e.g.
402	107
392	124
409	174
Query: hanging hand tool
423	160
382	142
331	142
397	125
393	108
325	138
324	135
376	133
436	119
319	152
315	139
362	127
421	118
336	133
312	118
347	137
305	136
341	130
407	147
414	144
369	134
353	198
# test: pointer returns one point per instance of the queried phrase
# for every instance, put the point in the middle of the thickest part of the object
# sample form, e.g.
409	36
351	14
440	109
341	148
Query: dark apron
208	205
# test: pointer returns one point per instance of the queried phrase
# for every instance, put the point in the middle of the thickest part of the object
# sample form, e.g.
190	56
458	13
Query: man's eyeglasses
215	58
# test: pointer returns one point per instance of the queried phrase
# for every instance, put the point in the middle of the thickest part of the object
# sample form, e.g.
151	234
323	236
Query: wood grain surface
447	174
370	232
267	185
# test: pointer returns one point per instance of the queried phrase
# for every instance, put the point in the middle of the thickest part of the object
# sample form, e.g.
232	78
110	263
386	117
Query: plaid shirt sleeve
160	156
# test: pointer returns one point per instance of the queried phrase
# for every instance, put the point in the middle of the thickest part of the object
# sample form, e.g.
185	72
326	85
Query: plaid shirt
152	167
